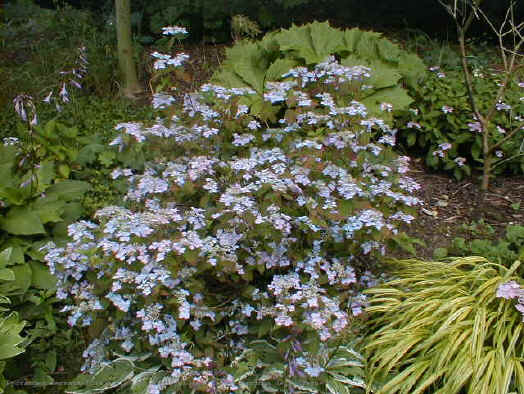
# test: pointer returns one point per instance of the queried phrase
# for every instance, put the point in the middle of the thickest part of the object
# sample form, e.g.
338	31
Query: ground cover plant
447	327
441	125
239	230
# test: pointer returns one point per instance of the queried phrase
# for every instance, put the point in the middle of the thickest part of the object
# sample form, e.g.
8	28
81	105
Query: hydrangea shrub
239	230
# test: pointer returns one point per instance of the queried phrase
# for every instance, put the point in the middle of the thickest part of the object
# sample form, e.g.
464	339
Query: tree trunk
130	85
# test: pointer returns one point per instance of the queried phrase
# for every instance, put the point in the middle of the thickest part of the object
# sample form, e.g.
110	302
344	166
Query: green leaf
298	41
5	257
279	67
325	39
22	221
69	190
351	38
411	138
21	282
45	174
41	278
440	253
397	96
49	209
6	274
10	340
88	154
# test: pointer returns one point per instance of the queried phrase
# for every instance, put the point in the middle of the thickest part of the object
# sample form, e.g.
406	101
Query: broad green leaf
114	374
396	96
45	174
41	278
412	69
279	67
388	51
21	282
351	38
22	221
68	190
367	45
5	257
325	39
49	209
10	340
297	41
6	274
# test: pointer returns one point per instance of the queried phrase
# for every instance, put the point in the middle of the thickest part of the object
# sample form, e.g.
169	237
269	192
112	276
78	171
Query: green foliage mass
438	327
253	64
446	88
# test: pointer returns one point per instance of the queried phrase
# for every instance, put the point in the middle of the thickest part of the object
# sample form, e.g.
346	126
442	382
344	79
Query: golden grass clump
439	328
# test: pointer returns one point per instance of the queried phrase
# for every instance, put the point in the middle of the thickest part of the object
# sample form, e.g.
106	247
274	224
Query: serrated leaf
351	38
297	40
279	67
325	39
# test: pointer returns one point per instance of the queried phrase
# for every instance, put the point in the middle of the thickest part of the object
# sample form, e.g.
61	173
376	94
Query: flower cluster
511	290
238	227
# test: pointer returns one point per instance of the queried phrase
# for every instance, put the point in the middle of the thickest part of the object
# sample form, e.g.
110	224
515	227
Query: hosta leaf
10	340
6	274
22	221
45	174
49	209
41	278
21	282
68	190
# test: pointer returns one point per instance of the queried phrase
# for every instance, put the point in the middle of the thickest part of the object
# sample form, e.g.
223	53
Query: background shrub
441	126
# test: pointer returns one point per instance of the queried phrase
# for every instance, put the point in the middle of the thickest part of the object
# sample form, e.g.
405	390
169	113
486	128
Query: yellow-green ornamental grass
439	328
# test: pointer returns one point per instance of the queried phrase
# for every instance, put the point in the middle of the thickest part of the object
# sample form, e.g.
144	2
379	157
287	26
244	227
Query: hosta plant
238	230
442	327
254	64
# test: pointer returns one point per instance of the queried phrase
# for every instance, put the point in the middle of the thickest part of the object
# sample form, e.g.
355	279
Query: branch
507	137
